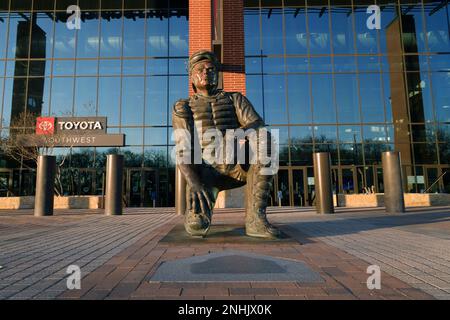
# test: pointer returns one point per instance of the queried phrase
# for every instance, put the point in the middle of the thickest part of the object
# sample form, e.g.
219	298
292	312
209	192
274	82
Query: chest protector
214	113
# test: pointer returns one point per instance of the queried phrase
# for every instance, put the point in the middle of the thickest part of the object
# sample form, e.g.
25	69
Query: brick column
233	46
200	20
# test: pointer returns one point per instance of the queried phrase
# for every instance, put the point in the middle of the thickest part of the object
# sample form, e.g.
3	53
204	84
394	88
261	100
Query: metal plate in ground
232	265
219	233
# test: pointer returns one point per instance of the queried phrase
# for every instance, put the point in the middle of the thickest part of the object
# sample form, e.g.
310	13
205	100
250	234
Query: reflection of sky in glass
111	37
251	31
437	24
272	31
156	136
372	107
342	28
14	20
109	99
133	101
299	101
441	94
366	39
319	34
156	101
296	36
133	35
178	37
88	38
275	100
322	98
62	96
85	96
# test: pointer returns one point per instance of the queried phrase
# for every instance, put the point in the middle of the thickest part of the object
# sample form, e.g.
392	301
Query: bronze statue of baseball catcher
217	109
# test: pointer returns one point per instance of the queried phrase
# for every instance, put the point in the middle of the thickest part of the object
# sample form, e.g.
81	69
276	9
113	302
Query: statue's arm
246	113
200	198
181	121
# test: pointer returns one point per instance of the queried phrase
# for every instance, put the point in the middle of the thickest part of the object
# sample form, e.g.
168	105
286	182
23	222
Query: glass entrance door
142	188
298	185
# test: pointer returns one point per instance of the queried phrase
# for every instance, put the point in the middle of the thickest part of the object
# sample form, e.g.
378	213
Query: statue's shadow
220	233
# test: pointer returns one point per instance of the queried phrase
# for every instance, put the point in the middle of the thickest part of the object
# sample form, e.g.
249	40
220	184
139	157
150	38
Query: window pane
319	34
87	67
322	98
85	96
88	36
178	88
156	136
412	27
390	28
374	133
372	107
342	28
325	134
62	96
157	33
133	34
437	18
349	134
179	35
110	67
299	99
301	134
42	36
425	153
366	39
111	34
133	67
351	153
64	37
347	98
38	91
63	67
109	99
133	136
251	30
156	101
441	94
275	100
254	93
419	93
3	32
296	36
19	35
133	101
272	31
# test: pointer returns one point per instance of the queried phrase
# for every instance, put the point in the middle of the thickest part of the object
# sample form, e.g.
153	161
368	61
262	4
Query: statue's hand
201	199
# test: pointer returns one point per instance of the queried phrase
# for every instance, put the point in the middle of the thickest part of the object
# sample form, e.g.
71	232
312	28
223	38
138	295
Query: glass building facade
314	70
329	83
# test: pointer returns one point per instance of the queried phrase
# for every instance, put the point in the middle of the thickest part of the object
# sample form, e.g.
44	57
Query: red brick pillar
233	46
200	20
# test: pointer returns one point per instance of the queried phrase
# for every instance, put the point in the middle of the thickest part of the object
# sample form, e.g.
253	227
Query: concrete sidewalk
118	255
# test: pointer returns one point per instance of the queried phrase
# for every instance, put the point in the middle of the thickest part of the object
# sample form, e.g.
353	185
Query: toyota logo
46	126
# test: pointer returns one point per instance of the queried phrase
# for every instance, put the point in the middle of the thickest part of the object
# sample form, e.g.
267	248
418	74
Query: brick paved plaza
118	254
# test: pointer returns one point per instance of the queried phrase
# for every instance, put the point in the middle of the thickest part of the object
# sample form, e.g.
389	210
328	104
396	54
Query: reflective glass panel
19	35
157	33
254	93
134	34
109	99
111	34
342	29
64	37
437	25
133	101
319	34
88	40
296	35
366	39
62	97
299	99
42	36
275	100
322	98
179	36
156	101
85	96
441	94
272	31
413	28
252	32
372	107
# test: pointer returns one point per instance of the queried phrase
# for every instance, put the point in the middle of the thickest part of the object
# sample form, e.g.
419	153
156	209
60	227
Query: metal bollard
322	181
45	183
180	192
114	179
392	178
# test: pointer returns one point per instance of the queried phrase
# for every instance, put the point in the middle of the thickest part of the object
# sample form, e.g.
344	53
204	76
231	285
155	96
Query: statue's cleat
196	225
256	225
